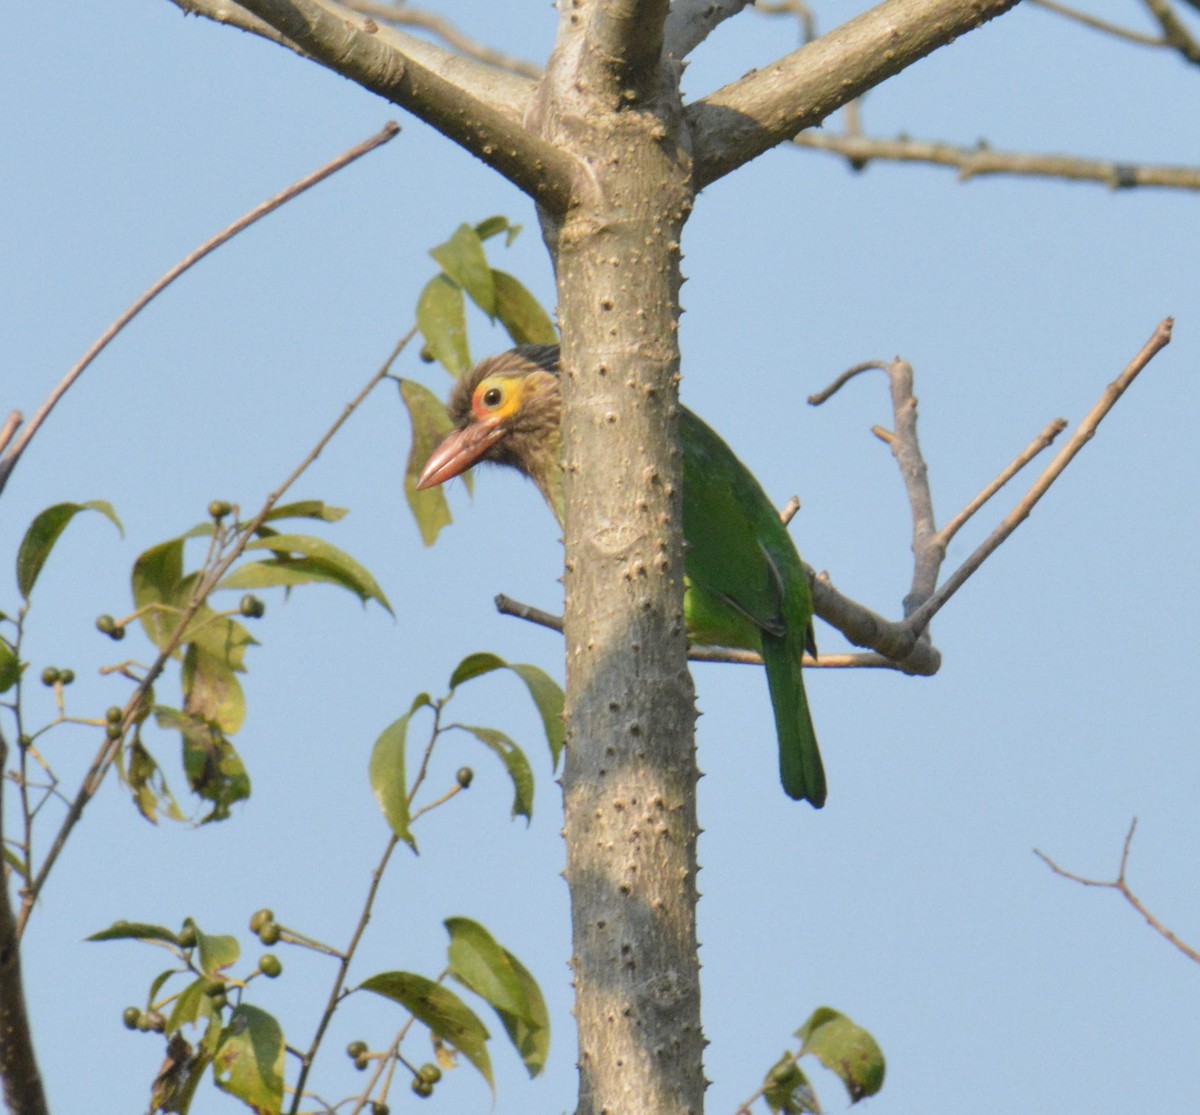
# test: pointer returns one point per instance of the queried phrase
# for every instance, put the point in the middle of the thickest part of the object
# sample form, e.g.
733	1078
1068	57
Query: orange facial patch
497	398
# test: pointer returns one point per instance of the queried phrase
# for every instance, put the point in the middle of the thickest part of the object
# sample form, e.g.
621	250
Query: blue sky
913	902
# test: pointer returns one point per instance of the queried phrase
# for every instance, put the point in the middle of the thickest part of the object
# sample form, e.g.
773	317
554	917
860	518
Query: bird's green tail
800	767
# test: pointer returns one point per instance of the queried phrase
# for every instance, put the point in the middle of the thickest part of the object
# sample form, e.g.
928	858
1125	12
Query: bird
745	586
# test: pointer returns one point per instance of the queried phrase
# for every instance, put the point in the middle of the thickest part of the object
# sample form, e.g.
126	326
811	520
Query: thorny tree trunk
604	146
630	774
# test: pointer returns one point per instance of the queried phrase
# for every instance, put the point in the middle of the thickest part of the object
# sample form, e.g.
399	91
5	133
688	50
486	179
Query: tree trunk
629	784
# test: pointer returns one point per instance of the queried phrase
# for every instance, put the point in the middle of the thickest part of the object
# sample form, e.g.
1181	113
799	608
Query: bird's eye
492	397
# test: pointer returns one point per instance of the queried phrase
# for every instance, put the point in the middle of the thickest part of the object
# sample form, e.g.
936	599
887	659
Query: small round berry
356	1049
430	1072
118	632
270	965
219	508
105	624
422	1087
114	714
66	676
260	918
269	934
379	1108
465	776
113	731
361	1062
50	675
251	607
131	1016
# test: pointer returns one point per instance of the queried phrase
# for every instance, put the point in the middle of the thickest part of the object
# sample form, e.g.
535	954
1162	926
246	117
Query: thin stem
1120	885
1082	435
981	160
339	981
10	461
1043	441
1098	24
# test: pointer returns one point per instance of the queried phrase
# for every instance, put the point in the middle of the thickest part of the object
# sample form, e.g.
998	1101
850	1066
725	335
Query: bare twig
11	425
1043	441
1174	30
1098	24
1082	435
269	206
981	160
405	15
923	664
797	8
1120	885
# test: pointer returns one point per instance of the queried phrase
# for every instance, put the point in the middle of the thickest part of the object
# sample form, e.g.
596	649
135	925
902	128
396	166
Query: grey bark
605	147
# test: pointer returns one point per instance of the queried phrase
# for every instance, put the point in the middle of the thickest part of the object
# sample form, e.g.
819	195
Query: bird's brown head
506	410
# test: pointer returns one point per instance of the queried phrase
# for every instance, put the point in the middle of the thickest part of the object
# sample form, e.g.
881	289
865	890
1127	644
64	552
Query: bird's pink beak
458	451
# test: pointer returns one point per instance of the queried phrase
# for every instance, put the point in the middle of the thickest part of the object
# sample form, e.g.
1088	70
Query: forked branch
905	644
1121	886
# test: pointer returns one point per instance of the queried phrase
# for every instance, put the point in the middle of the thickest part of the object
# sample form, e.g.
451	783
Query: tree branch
769	106
622	48
981	160
1082	435
405	15
1174	31
478	106
9	462
690	22
1098	24
22	1082
1122	887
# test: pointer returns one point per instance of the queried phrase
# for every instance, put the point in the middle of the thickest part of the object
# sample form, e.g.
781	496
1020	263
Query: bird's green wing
739	554
747	588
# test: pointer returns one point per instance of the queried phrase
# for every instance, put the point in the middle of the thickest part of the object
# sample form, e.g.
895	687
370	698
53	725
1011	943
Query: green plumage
745	585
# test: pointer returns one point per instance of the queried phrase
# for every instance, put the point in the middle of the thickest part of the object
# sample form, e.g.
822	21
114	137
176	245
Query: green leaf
514	762
430	423
44	531
212	692
340	566
846	1049
462	258
156	576
446	1015
442	319
16	863
531	1038
520	313
306	509
10	667
139	771
217	950
194	1004
134	931
387	773
158	983
787	1090
493	226
478	962
546	693
481	964
249	1060
214	770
